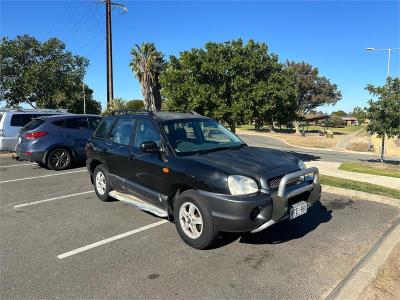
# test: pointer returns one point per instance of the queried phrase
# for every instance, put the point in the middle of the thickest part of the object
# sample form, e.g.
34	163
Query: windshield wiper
220	148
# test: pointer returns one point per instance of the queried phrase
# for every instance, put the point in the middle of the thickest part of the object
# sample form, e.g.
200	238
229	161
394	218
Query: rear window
93	122
33	124
104	128
20	120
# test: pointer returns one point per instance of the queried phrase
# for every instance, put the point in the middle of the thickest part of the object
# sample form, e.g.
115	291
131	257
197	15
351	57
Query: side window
58	122
121	133
104	128
93	122
20	120
145	132
76	123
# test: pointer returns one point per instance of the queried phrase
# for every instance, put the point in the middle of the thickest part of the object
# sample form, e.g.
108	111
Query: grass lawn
359	186
383	169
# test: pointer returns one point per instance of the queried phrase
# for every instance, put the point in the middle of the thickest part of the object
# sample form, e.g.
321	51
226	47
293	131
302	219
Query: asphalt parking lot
58	241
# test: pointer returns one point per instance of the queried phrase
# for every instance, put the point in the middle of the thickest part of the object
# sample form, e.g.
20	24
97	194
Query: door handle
131	156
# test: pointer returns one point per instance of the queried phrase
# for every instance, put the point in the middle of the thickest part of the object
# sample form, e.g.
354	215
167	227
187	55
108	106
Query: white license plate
298	209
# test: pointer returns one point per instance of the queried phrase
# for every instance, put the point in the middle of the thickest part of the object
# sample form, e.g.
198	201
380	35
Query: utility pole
110	86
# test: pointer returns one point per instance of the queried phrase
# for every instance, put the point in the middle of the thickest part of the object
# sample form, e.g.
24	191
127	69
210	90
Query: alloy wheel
191	220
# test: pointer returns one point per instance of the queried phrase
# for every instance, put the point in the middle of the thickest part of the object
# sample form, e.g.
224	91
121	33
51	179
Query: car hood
261	164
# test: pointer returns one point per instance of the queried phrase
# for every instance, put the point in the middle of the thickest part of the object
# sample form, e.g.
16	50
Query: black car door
116	151
147	178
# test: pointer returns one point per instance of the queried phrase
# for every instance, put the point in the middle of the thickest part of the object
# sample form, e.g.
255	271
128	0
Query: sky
330	35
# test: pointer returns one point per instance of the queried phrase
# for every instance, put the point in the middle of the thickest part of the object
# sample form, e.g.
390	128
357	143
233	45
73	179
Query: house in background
350	121
316	119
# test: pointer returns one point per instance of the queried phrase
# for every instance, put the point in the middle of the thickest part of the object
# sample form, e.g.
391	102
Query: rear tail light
35	135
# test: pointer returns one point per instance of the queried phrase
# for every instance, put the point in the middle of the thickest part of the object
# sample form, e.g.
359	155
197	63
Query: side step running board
132	200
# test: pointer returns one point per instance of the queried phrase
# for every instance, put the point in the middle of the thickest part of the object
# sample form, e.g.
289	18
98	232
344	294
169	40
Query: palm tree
147	64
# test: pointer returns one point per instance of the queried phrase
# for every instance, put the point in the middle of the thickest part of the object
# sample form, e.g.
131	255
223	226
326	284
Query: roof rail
149	112
127	111
64	110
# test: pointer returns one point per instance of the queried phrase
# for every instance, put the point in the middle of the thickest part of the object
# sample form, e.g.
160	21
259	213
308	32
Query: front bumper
258	211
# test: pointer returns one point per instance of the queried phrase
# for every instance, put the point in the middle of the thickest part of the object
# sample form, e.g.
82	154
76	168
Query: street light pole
389	50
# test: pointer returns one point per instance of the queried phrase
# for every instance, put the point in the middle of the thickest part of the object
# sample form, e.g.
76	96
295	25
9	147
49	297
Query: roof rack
64	110
149	112
127	111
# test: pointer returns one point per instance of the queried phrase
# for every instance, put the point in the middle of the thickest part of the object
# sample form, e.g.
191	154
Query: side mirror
149	147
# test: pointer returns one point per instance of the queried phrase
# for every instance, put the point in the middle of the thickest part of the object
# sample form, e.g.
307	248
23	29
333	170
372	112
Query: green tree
336	121
135	104
73	100
384	113
339	113
232	82
360	114
147	64
37	73
313	90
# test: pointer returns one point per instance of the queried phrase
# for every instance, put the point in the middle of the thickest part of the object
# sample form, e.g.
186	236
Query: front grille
274	182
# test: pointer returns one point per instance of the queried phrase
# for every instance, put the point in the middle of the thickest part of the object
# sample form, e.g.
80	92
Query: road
309	154
59	241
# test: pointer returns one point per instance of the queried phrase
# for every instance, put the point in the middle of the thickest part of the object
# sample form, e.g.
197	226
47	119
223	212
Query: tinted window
76	123
146	132
21	120
104	128
58	122
93	122
33	124
121	133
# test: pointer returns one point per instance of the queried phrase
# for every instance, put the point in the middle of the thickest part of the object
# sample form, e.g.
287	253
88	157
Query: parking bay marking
111	239
52	199
42	176
17	165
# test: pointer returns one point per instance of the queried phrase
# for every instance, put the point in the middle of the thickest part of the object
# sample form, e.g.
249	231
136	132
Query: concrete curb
361	195
307	148
355	285
8	154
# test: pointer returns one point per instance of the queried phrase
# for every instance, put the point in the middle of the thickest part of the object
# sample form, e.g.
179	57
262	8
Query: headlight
301	164
241	185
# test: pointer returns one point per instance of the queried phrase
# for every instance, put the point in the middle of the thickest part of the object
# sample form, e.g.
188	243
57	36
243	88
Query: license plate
298	209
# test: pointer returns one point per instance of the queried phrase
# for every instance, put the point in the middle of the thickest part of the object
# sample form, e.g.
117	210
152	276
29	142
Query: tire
42	165
100	174
194	221
59	159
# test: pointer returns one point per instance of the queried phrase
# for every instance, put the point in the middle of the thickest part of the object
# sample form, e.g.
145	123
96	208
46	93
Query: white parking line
17	165
51	199
111	239
42	176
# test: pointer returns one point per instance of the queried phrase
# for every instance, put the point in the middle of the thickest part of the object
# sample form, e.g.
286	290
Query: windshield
199	136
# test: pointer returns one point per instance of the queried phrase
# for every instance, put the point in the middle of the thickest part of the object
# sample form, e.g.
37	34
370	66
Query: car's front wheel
101	183
194	221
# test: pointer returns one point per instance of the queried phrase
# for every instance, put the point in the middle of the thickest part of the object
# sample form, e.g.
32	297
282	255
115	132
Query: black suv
194	171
